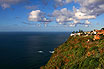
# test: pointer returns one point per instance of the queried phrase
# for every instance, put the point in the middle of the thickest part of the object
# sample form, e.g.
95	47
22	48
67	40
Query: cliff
78	52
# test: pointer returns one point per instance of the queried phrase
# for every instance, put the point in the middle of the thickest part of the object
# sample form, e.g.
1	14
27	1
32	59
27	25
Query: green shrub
90	63
80	51
93	48
75	66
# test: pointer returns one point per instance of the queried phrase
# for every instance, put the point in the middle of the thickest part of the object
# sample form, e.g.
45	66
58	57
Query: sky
51	15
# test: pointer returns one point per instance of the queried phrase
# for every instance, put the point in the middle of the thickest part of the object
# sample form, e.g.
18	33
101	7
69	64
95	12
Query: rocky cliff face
78	53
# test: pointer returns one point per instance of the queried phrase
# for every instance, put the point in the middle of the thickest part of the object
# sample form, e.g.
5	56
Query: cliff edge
80	52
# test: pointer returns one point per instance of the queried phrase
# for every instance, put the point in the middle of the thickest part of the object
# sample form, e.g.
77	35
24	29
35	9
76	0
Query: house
79	34
75	34
85	33
98	33
94	32
89	33
72	34
96	37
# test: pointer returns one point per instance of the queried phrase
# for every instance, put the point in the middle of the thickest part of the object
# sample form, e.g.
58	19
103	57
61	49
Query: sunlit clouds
66	13
89	9
38	16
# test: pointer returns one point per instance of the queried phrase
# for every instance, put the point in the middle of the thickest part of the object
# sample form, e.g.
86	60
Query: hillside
78	53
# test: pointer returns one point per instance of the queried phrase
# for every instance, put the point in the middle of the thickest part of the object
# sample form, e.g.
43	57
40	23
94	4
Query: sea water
28	50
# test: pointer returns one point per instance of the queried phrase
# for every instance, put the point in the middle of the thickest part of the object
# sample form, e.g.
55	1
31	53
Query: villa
97	36
96	33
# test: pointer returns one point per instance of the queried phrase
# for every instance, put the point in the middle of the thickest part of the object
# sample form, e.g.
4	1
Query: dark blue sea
20	50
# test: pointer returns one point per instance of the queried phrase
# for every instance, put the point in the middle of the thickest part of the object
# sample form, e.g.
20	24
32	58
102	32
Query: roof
99	30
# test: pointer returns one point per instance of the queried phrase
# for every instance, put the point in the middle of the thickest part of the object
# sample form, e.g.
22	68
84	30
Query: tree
81	31
102	28
73	32
76	31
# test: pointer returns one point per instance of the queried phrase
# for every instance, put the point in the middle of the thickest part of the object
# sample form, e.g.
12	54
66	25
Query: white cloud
61	2
31	7
38	16
81	15
89	9
92	7
76	21
86	25
62	15
7	3
72	25
35	15
4	6
87	22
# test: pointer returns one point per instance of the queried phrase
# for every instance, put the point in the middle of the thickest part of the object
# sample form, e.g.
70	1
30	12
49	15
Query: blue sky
51	15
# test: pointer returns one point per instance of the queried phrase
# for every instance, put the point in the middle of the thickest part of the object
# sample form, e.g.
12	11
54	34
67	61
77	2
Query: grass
78	53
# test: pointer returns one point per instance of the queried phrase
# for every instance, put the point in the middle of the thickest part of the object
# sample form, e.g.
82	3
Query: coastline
76	53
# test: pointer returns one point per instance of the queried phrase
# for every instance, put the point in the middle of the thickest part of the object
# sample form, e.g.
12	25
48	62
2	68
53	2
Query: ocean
28	50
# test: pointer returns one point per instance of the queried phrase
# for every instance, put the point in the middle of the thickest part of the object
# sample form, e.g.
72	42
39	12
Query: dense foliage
78	53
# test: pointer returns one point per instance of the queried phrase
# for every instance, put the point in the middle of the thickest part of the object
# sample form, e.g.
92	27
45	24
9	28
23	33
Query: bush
93	48
80	52
90	63
75	66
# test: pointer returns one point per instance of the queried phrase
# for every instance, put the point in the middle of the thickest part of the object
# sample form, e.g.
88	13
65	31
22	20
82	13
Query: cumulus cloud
56	3
4	6
61	2
38	16
92	7
62	15
7	3
86	23
89	9
81	16
31	7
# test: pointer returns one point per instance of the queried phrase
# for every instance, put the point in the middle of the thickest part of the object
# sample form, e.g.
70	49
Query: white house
94	32
79	34
72	34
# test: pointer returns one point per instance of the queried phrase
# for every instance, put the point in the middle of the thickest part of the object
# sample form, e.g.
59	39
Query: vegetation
81	31
102	28
78	53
